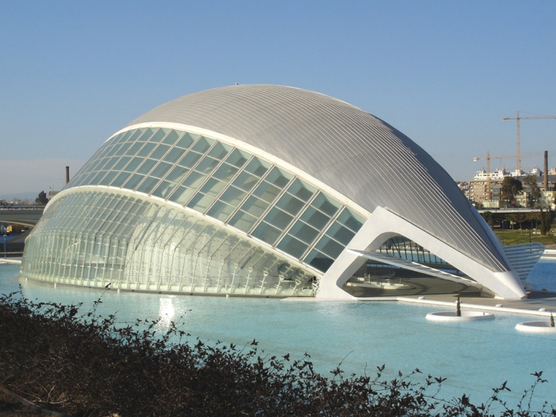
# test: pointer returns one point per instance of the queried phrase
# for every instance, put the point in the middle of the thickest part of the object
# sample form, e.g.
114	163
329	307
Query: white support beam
382	225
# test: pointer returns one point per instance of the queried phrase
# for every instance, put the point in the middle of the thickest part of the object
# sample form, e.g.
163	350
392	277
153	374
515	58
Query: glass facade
93	238
401	247
252	218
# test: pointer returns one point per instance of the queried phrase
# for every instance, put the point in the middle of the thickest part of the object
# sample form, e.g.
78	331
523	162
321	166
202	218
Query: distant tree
534	217
512	218
509	189
530	181
546	221
42	198
521	217
487	216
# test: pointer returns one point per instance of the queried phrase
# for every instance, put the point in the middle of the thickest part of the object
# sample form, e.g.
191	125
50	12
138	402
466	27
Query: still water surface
475	357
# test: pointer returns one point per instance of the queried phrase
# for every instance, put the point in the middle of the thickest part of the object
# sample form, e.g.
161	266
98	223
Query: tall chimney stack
67	174
545	170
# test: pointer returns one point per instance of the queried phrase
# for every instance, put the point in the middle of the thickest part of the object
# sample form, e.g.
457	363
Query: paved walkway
538	303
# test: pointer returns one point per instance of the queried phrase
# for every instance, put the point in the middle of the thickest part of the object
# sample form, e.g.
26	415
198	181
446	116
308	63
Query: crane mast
488	172
517	119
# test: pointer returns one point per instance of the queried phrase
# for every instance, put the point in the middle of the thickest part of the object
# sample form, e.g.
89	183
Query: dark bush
85	365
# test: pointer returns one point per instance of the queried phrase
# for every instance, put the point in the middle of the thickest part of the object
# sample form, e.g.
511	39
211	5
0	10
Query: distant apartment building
477	189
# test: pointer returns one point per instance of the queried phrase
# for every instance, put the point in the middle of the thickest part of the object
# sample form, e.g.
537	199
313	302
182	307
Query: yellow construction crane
488	158
517	119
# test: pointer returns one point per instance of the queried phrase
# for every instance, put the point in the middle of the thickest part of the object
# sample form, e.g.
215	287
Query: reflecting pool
474	356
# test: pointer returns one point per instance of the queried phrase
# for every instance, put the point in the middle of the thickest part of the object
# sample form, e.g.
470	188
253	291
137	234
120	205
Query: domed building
263	190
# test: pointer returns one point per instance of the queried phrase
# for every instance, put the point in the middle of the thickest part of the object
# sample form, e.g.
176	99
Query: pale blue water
475	356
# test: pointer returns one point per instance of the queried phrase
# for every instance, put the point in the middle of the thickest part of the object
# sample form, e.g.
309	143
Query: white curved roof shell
350	150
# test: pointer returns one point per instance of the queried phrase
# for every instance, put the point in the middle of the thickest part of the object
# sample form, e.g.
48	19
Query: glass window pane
278	177
133	181
164	189
190	159
304	232
98	164
103	163
220	211
146	150
340	233
135	134
186	140
174	155
290	204
98	177
194	180
133	149
245	181
200	202
116	150
206	165
278	218
292	246
319	261
225	172
160	151
124	136
181	195
219	150
130	134
255	206
238	158
108	178
120	179
213	187
88	178
326	204
134	163
315	218
233	196
161	170
122	163
301	190
148	164
242	221
202	145
103	151
147	185
351	220
171	138
329	247
257	167
267	191
147	133
266	233
159	134
110	163
177	174
115	139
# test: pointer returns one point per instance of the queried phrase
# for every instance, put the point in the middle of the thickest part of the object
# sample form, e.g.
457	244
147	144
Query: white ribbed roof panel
353	152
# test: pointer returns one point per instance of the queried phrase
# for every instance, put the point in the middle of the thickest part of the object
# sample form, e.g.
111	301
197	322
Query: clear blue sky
443	72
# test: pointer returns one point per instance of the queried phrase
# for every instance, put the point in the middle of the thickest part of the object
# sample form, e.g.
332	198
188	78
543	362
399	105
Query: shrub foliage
83	364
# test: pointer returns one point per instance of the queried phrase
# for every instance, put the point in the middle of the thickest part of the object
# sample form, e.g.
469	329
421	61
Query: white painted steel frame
384	224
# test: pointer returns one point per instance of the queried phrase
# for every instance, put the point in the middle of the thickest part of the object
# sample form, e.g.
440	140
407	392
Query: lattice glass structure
252	190
96	236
